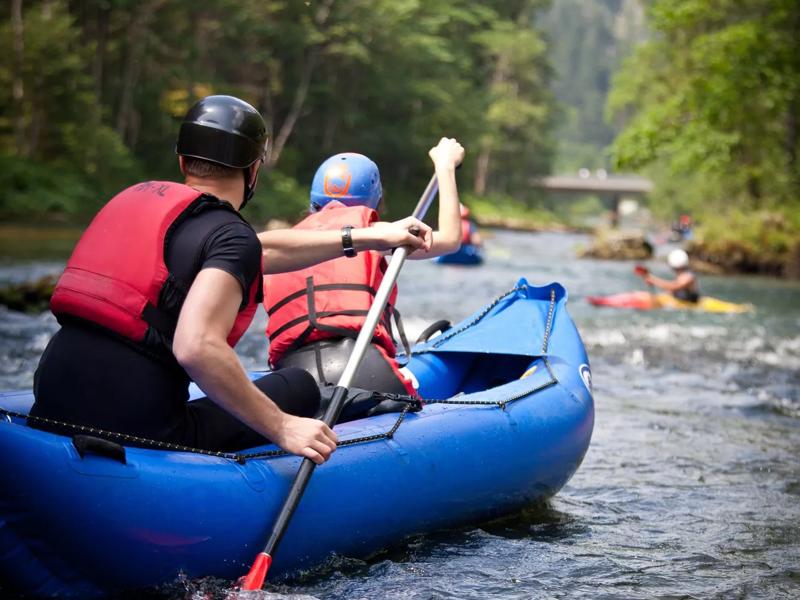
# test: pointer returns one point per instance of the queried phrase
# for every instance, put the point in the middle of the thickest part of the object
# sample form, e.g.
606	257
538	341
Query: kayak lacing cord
386	435
501	404
545	341
241	458
487	309
547	329
125	437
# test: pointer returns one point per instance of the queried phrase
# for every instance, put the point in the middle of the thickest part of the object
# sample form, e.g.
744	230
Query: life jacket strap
160	320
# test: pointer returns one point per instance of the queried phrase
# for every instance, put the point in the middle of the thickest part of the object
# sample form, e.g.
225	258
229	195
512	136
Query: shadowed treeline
91	92
710	107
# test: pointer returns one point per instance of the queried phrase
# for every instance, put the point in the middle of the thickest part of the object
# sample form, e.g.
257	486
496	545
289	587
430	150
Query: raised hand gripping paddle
254	580
643	271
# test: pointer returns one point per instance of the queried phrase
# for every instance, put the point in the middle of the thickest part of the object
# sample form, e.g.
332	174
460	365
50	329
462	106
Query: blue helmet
349	178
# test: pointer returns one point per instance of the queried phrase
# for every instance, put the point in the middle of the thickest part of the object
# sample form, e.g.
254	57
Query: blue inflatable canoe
509	422
468	254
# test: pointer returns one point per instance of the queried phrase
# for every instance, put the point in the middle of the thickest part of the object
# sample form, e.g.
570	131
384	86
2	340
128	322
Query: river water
691	486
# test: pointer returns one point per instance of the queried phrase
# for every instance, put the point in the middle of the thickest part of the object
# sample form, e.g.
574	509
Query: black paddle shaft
303	477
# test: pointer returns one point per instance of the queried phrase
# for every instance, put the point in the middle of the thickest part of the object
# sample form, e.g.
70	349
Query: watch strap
347	241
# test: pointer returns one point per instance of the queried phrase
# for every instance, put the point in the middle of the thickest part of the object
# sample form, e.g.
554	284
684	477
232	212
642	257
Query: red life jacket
116	273
331	299
466	231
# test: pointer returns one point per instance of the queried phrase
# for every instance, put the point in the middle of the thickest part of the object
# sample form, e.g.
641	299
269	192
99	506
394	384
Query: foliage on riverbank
765	242
92	93
711	106
510	213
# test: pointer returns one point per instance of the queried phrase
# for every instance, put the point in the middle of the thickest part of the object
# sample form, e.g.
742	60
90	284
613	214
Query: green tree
94	89
716	94
58	137
588	40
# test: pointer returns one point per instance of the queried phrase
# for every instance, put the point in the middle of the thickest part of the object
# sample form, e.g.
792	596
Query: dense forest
710	107
587	42
92	91
701	95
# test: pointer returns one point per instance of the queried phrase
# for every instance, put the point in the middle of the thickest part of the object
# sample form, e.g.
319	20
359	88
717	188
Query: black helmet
224	130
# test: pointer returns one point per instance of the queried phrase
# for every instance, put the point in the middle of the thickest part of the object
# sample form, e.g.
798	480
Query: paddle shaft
643	272
255	579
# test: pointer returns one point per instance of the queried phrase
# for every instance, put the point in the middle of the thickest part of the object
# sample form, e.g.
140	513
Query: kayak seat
491	370
442	375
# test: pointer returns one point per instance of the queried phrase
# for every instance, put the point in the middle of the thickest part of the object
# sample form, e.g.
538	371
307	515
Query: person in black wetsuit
134	334
684	286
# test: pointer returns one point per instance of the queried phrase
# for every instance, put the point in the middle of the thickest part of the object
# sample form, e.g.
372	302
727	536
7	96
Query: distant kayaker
469	231
684	286
162	284
316	313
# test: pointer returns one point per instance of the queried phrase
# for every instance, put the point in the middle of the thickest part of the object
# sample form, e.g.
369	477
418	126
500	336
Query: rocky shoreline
731	257
724	257
29	296
618	245
719	258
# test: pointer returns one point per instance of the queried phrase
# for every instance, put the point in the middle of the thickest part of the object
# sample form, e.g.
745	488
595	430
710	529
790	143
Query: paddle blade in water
254	580
640	270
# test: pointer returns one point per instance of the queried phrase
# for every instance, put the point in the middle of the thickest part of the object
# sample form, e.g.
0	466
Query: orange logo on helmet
337	181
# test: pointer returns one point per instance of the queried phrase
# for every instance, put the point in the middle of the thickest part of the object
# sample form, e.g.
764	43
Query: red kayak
646	301
637	300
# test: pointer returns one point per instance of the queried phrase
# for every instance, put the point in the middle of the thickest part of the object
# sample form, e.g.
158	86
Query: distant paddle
643	272
254	580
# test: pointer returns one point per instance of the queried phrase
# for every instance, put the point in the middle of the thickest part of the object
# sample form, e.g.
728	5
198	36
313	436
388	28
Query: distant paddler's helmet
678	259
224	130
349	178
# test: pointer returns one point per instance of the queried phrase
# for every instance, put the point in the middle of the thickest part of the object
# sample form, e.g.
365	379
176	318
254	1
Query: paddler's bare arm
293	249
201	348
683	280
446	156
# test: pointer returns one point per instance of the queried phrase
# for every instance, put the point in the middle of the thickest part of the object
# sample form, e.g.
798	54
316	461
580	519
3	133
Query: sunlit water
690	489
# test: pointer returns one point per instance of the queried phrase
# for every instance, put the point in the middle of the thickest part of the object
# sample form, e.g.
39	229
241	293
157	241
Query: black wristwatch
347	241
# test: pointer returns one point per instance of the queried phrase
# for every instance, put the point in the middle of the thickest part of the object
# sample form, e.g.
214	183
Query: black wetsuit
691	294
90	376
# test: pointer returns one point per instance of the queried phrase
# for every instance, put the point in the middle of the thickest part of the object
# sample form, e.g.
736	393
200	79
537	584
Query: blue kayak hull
468	254
83	526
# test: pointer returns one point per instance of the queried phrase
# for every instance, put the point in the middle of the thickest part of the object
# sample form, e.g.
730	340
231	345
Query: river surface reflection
690	489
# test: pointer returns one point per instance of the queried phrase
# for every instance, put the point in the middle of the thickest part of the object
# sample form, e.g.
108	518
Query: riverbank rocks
738	257
618	245
29	296
523	224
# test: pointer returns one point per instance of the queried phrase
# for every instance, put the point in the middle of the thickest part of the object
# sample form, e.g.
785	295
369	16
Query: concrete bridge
613	186
612	189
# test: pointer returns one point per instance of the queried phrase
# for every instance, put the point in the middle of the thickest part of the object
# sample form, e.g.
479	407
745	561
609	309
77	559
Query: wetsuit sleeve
235	249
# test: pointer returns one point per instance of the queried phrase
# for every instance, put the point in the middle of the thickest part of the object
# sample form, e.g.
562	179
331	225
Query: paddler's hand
309	438
385	236
447	154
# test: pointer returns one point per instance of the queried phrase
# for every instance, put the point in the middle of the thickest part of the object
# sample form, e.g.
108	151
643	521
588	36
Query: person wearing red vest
159	288
469	233
315	314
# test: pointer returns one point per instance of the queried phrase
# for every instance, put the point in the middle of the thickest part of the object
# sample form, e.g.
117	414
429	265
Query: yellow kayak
648	301
706	304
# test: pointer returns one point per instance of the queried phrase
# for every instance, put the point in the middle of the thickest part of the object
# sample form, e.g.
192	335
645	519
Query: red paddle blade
254	580
640	270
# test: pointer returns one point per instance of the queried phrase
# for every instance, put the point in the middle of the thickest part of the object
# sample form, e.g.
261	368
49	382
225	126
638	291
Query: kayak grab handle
439	326
89	444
